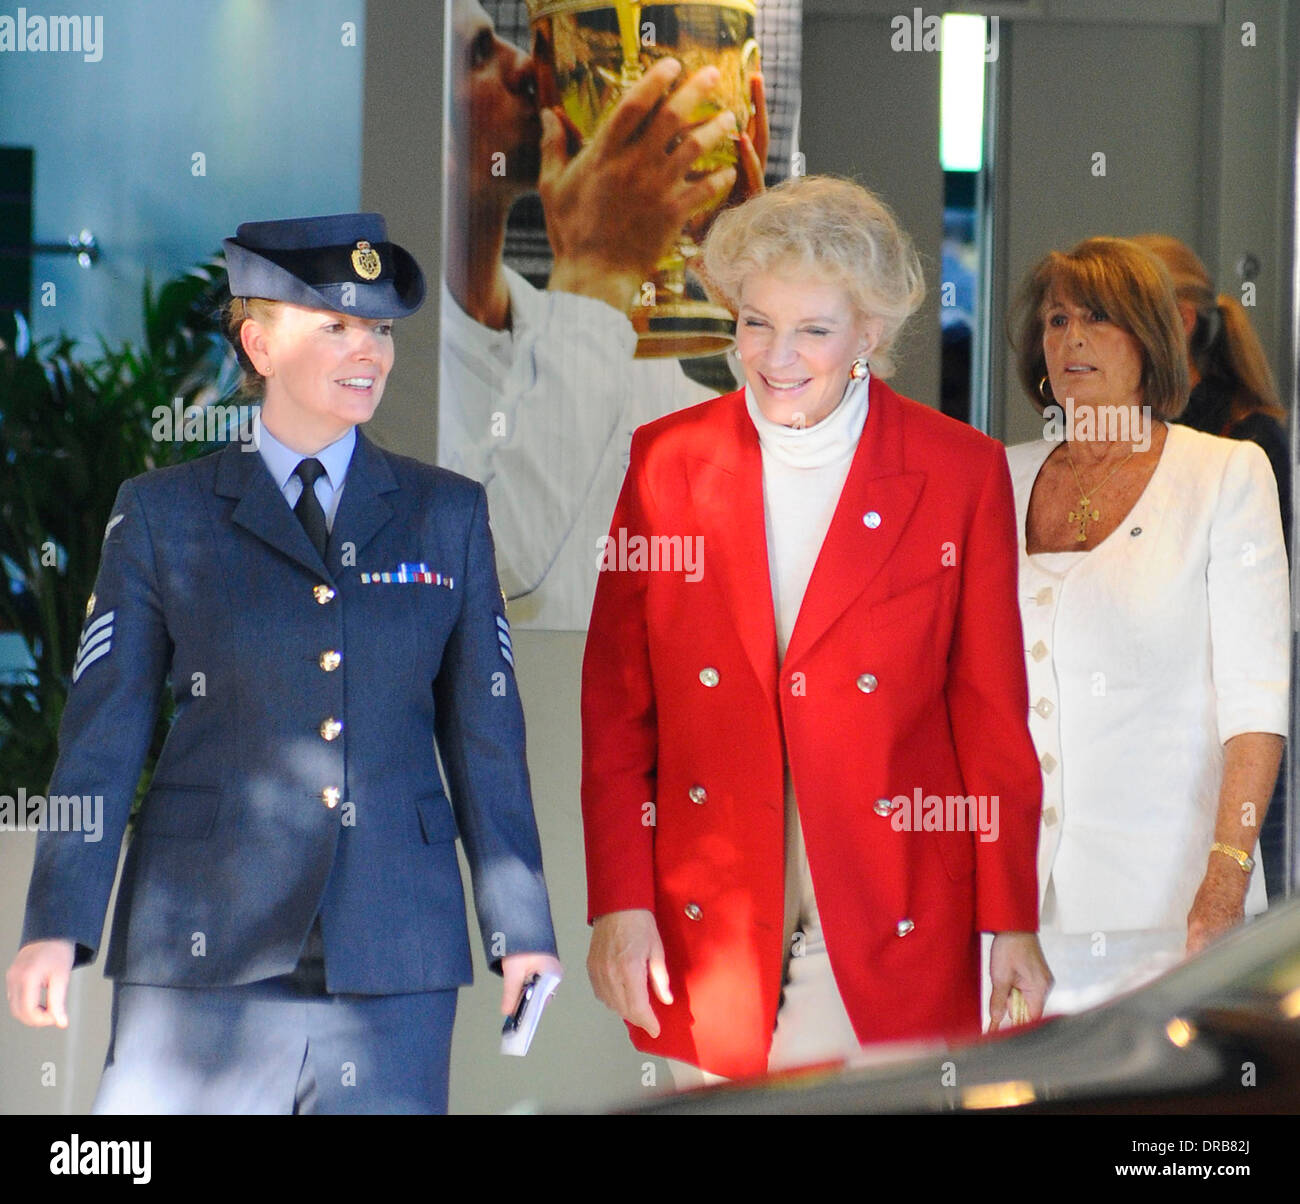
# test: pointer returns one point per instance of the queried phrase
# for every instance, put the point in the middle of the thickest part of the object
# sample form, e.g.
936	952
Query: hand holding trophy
653	97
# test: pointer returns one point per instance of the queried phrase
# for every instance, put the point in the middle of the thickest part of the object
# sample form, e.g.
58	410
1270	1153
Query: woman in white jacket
1154	601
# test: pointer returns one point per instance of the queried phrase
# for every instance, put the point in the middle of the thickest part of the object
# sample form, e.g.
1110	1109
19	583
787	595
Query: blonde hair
234	314
1133	289
1223	343
829	226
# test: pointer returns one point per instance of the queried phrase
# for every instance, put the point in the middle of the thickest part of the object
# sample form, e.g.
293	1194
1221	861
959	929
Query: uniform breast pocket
396	632
180	812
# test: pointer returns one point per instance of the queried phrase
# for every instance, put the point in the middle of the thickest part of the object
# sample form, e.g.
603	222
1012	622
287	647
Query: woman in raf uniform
841	654
290	929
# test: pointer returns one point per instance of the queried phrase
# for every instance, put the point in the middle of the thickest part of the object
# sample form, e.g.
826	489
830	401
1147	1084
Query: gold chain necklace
1086	513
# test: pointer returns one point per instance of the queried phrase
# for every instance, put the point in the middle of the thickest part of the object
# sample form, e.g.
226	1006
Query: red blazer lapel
857	545
726	486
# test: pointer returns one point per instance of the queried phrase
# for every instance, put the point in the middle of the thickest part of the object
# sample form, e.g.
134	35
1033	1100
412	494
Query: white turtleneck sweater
804	470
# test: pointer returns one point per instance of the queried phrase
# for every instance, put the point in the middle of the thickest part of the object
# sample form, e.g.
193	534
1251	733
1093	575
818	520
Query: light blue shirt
334	459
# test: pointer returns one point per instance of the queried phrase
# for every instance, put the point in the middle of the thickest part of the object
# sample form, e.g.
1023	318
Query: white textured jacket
1144	656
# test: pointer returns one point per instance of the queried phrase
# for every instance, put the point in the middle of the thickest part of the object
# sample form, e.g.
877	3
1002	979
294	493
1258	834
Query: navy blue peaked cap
343	263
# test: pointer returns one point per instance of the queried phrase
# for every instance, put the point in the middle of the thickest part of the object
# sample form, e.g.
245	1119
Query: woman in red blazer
804	665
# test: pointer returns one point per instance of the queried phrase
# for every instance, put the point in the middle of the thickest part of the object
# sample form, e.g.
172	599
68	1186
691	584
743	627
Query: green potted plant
72	428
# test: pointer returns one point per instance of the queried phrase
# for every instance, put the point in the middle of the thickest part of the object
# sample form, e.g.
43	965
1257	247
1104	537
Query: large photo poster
588	145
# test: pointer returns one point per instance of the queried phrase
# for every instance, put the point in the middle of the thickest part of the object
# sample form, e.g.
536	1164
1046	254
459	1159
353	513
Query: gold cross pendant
1083	517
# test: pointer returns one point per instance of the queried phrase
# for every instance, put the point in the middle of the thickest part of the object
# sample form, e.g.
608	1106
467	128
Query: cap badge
365	261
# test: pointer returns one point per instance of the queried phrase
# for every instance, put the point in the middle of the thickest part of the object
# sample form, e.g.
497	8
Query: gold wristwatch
1240	856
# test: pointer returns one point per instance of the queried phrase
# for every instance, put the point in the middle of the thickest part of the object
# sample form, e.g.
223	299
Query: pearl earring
859	369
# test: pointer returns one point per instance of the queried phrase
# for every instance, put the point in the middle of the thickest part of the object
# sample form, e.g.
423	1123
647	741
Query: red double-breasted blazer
903	683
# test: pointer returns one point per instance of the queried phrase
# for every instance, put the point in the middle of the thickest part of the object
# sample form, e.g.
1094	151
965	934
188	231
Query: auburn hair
1131	287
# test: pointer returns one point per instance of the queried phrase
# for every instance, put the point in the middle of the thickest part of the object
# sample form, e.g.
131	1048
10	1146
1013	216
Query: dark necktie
308	507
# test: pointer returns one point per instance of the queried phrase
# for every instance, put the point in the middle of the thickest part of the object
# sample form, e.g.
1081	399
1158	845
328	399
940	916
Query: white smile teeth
358	382
794	384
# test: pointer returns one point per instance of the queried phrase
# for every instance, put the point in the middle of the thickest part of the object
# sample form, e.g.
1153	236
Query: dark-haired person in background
1232	388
